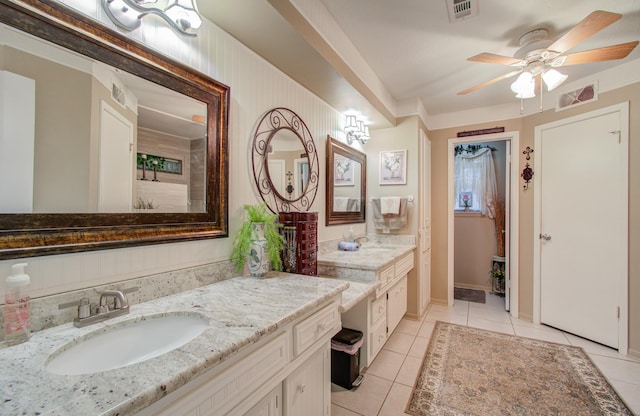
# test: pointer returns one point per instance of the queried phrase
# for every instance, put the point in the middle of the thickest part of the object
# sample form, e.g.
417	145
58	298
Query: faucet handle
84	308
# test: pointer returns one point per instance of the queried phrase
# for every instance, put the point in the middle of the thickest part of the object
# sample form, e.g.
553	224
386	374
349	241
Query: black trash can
345	358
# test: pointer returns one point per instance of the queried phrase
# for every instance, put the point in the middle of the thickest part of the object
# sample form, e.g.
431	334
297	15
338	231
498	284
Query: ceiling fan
537	57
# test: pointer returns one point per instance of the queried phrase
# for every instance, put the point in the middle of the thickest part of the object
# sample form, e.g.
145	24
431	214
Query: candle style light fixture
181	15
356	130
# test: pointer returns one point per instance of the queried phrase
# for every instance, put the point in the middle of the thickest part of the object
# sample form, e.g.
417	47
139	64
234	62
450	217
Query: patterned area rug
469	371
472	295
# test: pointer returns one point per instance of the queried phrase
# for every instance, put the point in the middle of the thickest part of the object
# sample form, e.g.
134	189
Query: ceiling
413	49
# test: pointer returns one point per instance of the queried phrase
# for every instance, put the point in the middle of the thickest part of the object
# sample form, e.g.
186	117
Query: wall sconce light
356	130
181	15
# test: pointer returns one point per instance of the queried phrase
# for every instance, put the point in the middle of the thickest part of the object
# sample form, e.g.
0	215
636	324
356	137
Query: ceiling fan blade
608	53
589	26
493	81
490	58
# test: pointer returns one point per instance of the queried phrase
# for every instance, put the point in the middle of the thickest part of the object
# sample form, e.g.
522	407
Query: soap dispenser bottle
17	312
351	240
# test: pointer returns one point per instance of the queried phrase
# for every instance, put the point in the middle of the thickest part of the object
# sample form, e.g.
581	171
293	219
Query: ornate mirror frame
335	147
271	123
26	235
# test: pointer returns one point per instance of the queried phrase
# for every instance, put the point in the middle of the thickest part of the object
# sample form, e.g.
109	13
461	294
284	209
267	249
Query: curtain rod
471	148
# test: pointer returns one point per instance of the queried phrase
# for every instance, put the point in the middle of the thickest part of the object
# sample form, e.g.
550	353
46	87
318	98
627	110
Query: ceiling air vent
577	97
462	9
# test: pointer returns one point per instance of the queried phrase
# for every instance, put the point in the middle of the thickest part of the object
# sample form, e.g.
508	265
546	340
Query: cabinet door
396	304
270	405
308	389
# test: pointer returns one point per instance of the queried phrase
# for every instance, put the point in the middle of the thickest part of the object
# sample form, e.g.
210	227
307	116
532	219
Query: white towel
390	205
340	203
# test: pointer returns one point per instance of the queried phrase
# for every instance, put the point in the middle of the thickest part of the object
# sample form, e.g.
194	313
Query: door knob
545	237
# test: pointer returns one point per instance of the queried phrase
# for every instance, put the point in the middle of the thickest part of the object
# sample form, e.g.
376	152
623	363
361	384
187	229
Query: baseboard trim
525	317
476	287
633	353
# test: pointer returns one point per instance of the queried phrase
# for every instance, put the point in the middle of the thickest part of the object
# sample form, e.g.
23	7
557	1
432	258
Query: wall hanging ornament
527	175
527	172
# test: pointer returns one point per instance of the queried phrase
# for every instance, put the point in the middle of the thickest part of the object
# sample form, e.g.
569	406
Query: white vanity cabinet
378	316
285	375
396	303
307	391
270	405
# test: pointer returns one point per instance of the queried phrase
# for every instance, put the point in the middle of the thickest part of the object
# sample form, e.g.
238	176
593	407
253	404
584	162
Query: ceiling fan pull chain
541	109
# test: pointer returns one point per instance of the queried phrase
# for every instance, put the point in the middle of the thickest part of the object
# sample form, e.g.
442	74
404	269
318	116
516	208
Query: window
475	182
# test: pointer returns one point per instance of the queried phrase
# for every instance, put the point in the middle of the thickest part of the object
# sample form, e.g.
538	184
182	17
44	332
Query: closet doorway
471	234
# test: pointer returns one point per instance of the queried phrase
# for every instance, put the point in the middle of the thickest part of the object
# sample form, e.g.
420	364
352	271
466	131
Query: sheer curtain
475	174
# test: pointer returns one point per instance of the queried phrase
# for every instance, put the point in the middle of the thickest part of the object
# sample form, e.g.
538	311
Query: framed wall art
342	171
393	167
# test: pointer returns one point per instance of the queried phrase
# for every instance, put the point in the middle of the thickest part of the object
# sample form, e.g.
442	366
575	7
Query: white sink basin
129	344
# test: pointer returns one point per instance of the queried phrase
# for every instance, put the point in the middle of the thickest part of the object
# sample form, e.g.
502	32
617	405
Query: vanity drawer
404	265
315	327
377	338
378	309
386	275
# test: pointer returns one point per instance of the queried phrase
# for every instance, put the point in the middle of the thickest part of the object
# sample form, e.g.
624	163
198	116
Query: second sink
129	344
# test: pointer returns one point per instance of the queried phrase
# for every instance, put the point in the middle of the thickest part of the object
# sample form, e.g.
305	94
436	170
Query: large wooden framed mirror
108	143
346	184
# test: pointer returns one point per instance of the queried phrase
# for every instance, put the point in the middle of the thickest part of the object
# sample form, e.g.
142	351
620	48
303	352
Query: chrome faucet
105	309
119	300
359	239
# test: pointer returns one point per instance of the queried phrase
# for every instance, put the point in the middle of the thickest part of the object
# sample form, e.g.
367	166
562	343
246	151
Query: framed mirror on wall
112	144
285	162
346	184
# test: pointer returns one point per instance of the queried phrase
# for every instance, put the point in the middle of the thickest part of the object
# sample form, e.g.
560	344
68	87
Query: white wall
256	87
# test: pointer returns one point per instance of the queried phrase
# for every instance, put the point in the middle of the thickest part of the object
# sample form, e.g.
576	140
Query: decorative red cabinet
301	232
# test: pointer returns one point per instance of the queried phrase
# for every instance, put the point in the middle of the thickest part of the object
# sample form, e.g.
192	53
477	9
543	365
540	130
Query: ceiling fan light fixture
527	93
524	86
553	78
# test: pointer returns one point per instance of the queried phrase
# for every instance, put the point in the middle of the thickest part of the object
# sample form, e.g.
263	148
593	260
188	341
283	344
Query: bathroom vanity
377	300
265	350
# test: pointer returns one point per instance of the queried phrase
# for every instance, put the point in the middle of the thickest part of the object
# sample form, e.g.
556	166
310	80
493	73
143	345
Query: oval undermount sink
377	248
125	345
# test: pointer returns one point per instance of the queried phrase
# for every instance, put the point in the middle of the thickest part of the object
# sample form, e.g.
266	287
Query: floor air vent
462	9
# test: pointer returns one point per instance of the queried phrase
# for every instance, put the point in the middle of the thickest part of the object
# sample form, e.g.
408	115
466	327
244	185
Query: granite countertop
240	311
368	257
355	293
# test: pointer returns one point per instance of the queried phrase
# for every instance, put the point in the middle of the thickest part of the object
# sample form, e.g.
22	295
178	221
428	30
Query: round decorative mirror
285	162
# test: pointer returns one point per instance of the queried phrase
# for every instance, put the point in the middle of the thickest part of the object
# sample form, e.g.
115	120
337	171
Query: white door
583	226
424	262
115	180
276	174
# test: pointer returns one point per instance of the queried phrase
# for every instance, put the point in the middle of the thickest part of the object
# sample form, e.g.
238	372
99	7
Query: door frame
623	298
514	217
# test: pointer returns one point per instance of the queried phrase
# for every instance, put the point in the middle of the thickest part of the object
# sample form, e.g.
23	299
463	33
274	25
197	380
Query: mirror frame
28	235
344	217
270	124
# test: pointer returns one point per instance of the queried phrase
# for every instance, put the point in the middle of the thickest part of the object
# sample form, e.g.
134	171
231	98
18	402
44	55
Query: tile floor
389	381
